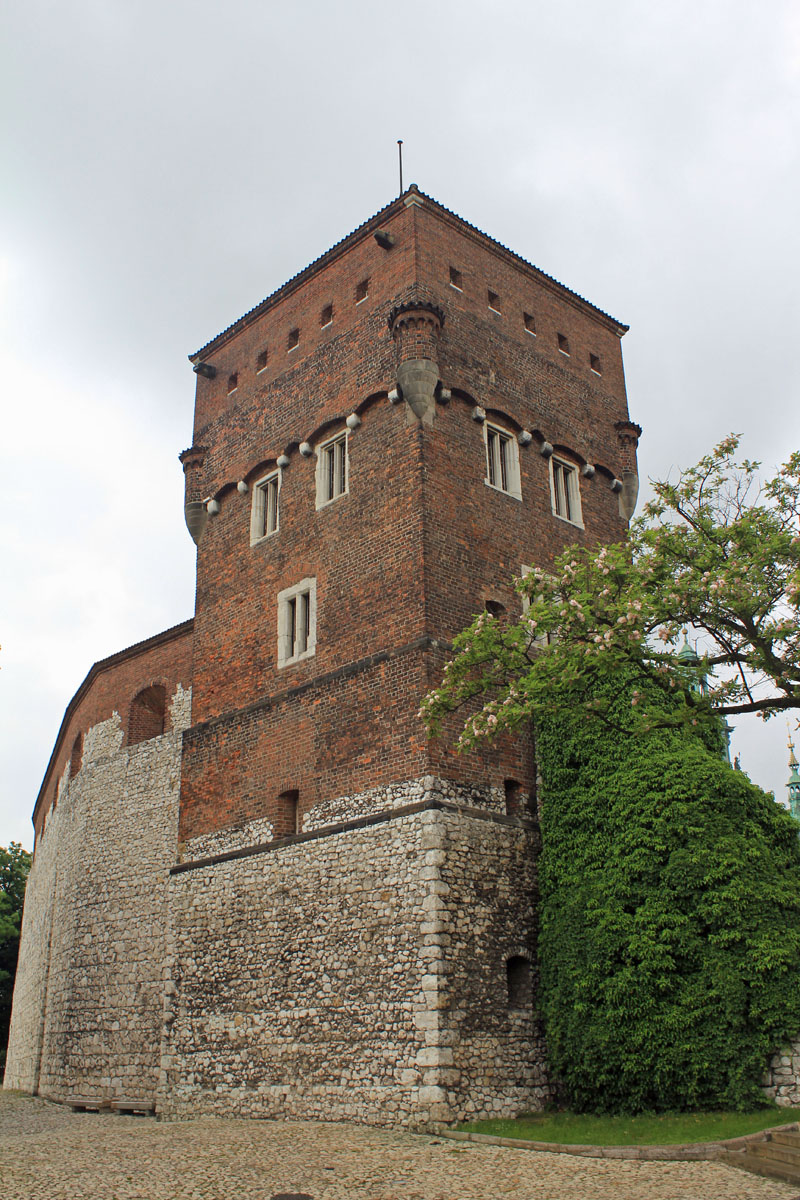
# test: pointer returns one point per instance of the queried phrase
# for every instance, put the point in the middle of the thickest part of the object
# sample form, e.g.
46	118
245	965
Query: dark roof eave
341	246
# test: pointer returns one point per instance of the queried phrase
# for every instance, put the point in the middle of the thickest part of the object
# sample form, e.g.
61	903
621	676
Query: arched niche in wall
148	714
287	815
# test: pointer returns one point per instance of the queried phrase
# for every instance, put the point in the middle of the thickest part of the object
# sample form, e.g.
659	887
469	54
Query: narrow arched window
518	981
287	817
76	756
148	714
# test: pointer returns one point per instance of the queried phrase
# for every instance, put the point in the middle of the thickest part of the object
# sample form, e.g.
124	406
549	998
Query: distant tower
688	657
794	783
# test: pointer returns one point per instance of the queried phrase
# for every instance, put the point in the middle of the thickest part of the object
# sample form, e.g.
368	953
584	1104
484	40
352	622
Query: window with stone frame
264	515
297	622
502	460
565	492
541	639
332	469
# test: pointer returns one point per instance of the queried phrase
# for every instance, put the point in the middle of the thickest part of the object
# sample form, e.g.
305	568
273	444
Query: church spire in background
794	782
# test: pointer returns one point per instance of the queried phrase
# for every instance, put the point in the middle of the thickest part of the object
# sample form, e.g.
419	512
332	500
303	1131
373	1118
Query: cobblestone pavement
50	1153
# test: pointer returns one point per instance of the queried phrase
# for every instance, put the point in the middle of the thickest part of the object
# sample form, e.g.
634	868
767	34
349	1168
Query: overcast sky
167	165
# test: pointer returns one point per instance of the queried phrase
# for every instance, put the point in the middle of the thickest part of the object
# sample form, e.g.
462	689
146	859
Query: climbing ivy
670	917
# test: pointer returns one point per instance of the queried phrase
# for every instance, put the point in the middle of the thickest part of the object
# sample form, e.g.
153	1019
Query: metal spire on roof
794	778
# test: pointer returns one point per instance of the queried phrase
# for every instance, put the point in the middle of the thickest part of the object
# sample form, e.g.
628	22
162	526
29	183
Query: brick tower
379	448
383	444
297	905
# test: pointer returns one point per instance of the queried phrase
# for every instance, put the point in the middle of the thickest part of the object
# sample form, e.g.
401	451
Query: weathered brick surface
418	543
110	688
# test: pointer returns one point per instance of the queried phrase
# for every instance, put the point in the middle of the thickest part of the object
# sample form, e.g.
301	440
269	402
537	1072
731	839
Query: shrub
670	931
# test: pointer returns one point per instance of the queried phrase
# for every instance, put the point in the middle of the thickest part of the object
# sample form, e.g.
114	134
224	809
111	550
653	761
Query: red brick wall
287	397
418	544
111	686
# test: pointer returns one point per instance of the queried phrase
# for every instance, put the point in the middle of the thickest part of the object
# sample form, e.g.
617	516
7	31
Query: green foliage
15	863
713	552
646	1129
670	931
670	885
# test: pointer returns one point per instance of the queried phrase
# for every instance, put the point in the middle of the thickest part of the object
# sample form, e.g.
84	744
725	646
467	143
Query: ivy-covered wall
670	920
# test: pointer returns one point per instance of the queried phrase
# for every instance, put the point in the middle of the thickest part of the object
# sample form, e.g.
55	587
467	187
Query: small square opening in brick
494	301
595	364
294	339
326	316
233	382
563	343
456	279
362	290
261	361
529	322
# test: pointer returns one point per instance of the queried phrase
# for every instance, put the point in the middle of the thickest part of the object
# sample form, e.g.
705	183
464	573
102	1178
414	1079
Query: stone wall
397	795
493	1056
782	1077
344	809
88	1000
357	973
30	986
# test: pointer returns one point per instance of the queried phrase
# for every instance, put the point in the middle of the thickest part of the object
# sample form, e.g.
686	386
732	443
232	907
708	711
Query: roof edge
294	281
105	664
549	281
349	239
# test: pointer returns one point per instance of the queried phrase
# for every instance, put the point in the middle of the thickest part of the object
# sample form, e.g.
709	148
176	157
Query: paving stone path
50	1153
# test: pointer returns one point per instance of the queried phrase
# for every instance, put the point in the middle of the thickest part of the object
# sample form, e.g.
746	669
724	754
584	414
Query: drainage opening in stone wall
518	982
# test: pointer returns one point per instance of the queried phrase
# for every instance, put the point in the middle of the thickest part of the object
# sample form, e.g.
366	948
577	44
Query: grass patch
646	1129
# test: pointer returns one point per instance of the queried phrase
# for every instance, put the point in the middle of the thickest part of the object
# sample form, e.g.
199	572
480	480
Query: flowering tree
669	884
717	553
